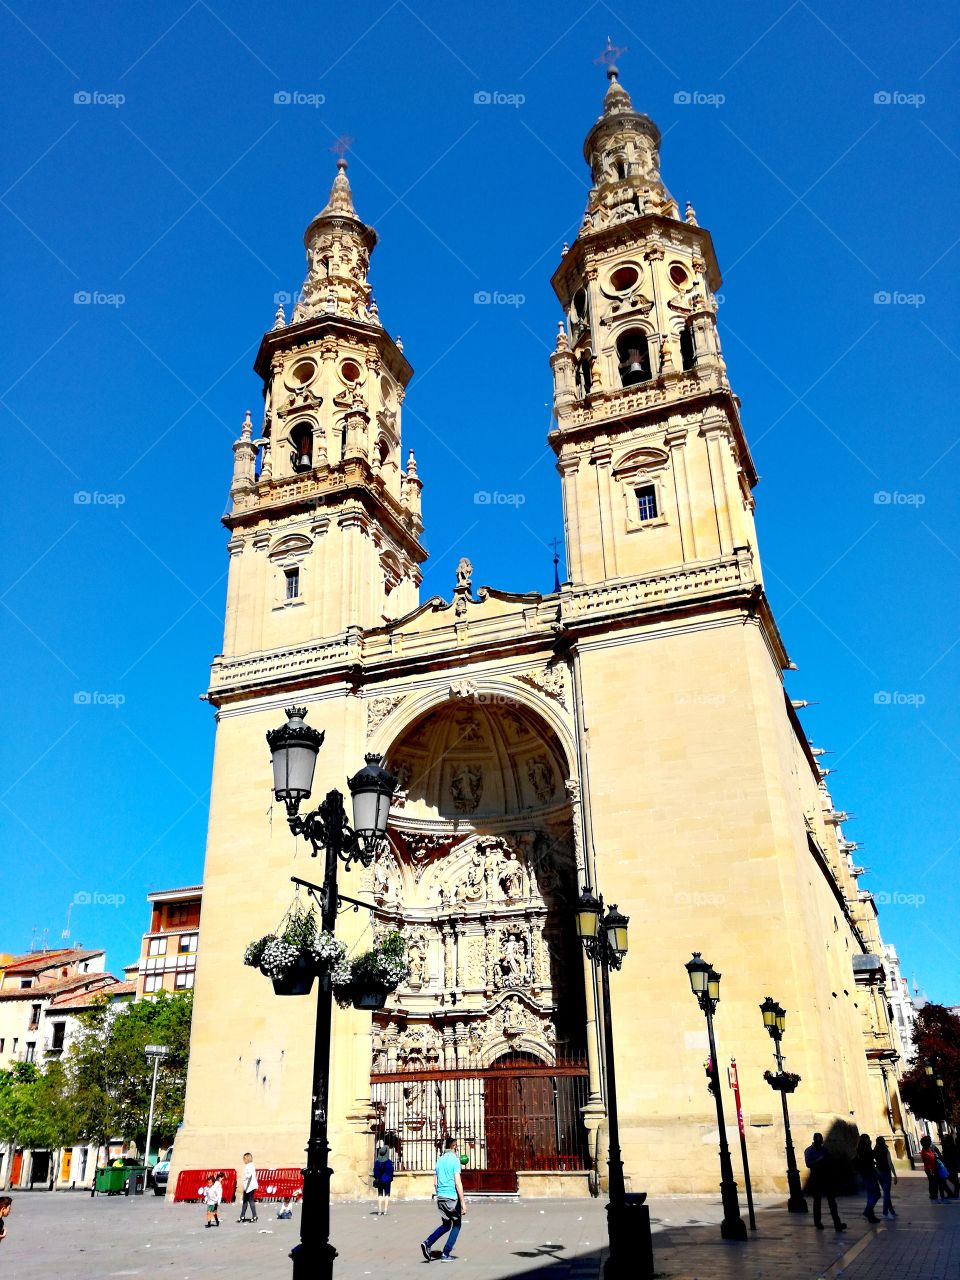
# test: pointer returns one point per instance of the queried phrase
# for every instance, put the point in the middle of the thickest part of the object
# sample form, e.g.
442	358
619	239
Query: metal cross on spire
610	54
555	544
342	145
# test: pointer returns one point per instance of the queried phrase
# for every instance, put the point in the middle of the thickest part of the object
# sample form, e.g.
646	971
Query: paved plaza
74	1237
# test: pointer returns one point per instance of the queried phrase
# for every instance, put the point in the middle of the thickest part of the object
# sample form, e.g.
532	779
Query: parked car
161	1174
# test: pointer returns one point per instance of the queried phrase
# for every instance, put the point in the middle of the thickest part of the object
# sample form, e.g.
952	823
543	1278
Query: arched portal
486	1037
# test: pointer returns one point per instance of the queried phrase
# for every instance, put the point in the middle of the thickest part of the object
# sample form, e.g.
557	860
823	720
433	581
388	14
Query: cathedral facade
629	732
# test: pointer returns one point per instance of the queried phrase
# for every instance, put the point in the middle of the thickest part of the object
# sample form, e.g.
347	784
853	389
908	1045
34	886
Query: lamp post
293	748
942	1122
775	1021
604	939
156	1052
705	985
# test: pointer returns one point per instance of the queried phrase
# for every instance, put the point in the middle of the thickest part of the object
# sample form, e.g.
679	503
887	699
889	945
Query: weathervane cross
342	145
610	54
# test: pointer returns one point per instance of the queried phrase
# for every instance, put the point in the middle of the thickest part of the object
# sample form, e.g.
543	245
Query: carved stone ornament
513	965
542	778
379	708
466	787
464	689
549	681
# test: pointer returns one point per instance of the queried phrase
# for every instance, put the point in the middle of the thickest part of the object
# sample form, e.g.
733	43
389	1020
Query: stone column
676	442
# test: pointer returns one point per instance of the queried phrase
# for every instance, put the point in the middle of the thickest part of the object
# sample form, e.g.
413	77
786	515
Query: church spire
338	249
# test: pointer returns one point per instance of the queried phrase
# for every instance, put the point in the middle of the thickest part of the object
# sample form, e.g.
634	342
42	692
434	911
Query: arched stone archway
481	878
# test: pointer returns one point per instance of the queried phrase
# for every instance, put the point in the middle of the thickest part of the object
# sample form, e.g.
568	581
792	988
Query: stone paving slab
73	1237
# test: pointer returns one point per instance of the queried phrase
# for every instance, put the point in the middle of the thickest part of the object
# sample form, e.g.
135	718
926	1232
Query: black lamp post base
631	1241
313	1263
797	1204
733	1229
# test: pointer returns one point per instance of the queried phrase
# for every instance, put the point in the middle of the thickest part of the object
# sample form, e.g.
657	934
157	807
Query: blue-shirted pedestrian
448	1188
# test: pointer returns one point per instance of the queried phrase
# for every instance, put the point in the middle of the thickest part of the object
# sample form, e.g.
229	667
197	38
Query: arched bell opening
481	878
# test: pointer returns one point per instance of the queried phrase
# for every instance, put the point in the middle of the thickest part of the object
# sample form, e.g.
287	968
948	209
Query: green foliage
936	1038
108	1076
383	967
32	1108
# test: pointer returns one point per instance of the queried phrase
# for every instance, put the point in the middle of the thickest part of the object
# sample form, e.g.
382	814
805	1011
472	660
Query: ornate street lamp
775	1021
293	750
705	985
604	939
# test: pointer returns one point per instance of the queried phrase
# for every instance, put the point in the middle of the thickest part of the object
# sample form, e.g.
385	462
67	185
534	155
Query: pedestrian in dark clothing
935	1170
817	1159
951	1158
866	1166
886	1174
382	1177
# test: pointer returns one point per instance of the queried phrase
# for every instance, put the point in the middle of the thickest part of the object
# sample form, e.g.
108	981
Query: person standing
448	1188
249	1185
382	1177
934	1168
817	1159
886	1174
6	1204
866	1166
212	1196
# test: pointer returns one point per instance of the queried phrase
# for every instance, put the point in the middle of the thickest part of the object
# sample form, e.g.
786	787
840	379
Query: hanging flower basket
366	981
294	955
782	1081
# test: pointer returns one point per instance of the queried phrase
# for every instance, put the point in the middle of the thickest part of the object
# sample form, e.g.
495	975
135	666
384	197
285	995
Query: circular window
350	371
678	274
624	278
303	372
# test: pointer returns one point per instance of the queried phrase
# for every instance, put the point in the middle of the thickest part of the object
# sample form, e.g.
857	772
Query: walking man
934	1168
448	1189
817	1159
249	1184
886	1174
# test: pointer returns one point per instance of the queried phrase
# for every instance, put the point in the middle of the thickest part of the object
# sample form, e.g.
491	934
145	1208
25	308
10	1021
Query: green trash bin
111	1181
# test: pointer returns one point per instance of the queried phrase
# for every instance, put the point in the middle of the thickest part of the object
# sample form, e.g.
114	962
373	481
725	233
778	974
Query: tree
109	1075
32	1108
936	1039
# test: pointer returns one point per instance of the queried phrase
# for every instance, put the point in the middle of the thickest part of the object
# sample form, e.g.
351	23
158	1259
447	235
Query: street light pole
775	1021
156	1052
604	939
293	749
705	984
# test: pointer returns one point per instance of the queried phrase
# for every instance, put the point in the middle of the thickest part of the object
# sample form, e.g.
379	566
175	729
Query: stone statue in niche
471	887
542	777
469	728
514	1019
466	787
416	960
513	967
381	879
510	876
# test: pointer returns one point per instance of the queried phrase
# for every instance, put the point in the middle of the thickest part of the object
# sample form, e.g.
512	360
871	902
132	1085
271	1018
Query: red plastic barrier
278	1184
191	1184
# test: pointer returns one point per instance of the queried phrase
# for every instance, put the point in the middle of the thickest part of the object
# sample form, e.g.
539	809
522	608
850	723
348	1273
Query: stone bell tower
656	470
325	519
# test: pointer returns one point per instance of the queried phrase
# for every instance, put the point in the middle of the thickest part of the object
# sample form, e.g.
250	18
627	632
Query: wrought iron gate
517	1114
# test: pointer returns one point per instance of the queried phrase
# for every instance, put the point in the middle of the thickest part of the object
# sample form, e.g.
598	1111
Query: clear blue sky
190	198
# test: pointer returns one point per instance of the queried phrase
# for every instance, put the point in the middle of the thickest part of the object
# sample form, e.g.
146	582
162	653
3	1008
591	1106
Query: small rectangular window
157	947
188	942
293	583
152	982
183	981
647	502
30	1052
